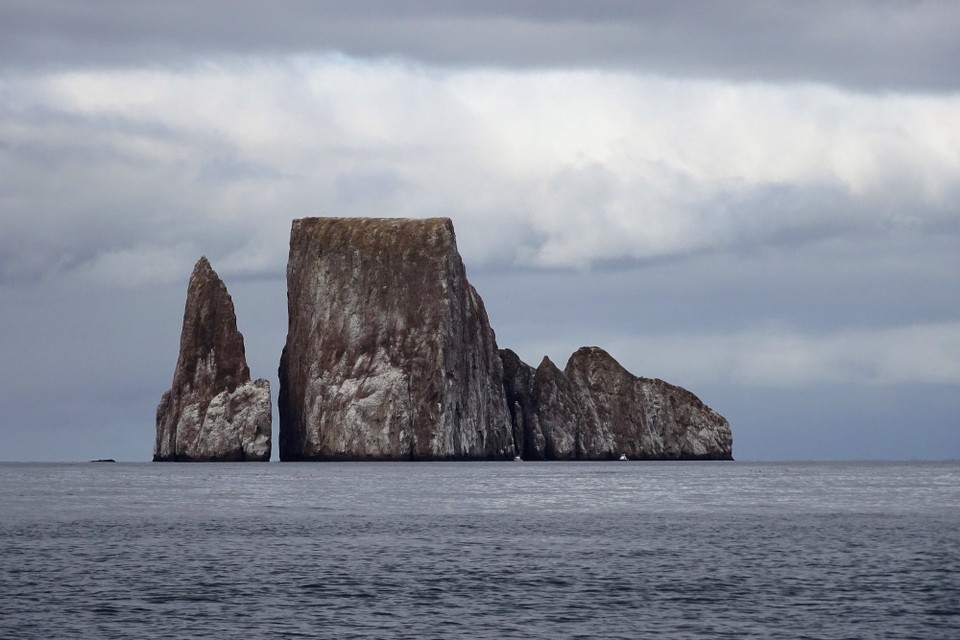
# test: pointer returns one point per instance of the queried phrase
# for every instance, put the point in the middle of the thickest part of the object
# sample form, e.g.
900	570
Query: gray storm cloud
877	46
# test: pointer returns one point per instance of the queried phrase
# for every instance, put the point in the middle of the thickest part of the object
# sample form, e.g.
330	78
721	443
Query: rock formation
390	356
595	409
545	410
389	353
213	411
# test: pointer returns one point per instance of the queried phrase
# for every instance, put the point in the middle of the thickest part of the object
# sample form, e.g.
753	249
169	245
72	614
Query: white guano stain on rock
213	411
596	410
389	353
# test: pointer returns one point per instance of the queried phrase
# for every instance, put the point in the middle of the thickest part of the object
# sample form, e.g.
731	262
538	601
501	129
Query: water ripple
480	551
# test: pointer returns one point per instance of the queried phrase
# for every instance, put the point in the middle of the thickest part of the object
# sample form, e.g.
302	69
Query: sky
758	201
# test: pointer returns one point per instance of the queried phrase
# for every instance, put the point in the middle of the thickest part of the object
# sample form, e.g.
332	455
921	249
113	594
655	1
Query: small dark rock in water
213	412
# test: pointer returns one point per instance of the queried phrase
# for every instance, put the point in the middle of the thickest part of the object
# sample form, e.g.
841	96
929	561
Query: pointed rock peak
210	326
591	352
547	366
204	275
594	358
512	362
212	411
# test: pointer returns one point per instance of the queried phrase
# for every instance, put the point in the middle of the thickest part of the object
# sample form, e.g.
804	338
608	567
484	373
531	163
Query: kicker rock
213	411
389	353
596	410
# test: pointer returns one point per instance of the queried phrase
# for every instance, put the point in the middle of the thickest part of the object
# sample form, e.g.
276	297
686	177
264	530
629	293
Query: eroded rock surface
595	410
518	388
213	411
547	416
389	353
643	417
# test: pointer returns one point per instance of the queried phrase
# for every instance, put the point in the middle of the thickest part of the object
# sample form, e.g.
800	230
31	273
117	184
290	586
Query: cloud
780	357
136	266
559	169
757	200
868	45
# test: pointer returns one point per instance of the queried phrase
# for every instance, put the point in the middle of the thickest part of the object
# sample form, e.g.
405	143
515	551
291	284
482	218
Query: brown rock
597	410
641	417
389	352
560	416
213	412
528	440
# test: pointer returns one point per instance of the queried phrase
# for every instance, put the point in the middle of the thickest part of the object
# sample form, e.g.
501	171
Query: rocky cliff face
595	409
389	352
643	417
213	411
546	410
518	391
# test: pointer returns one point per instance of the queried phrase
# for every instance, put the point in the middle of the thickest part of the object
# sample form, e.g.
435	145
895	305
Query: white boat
623	457
517	459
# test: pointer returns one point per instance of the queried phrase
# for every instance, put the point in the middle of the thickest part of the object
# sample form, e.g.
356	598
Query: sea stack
389	353
213	412
596	410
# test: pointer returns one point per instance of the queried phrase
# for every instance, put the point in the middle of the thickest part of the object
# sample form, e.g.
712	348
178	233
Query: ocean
480	550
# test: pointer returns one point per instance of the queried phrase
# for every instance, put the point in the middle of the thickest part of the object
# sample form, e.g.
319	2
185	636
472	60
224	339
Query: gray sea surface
480	550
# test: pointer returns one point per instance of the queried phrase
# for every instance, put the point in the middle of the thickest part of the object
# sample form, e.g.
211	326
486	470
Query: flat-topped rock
389	352
213	411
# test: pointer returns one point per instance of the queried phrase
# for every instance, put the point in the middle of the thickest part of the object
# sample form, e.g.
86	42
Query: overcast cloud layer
867	44
758	201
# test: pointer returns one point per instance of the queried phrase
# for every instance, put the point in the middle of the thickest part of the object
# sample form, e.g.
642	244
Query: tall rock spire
213	411
389	353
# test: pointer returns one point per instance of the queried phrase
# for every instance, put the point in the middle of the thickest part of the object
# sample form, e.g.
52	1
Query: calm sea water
480	550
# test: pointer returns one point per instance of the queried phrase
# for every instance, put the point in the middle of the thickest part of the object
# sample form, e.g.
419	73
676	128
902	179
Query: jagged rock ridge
389	353
213	411
595	409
